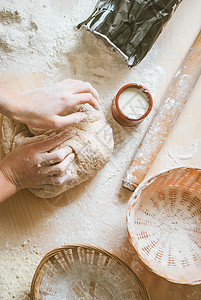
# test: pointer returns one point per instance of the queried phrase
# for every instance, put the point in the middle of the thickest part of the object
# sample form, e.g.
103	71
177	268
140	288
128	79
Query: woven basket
83	272
164	224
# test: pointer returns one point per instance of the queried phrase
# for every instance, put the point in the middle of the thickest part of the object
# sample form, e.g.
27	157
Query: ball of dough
92	145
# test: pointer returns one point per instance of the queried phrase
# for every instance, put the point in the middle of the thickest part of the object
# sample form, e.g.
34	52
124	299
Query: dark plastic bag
130	26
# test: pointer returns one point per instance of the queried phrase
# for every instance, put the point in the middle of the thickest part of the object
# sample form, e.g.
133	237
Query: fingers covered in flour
32	164
60	167
59	180
55	156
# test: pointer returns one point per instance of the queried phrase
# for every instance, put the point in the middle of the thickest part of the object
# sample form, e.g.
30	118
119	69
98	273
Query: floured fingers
59	180
59	167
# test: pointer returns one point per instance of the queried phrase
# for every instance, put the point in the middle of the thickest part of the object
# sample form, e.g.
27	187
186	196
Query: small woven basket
84	272
164	224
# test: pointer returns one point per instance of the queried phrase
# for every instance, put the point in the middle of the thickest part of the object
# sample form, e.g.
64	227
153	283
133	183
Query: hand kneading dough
92	144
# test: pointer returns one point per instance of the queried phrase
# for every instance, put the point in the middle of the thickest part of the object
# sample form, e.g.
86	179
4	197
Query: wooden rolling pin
169	110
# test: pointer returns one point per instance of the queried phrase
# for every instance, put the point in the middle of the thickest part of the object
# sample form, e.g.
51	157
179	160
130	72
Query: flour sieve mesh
85	273
164	224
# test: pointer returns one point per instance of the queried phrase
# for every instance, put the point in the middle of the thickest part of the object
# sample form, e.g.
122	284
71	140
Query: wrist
9	102
7	187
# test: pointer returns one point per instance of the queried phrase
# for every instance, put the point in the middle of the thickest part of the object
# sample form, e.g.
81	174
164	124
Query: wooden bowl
164	224
85	272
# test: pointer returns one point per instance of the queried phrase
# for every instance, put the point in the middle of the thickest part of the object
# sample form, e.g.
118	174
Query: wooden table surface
83	215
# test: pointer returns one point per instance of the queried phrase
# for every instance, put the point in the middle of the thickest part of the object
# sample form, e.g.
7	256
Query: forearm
7	189
8	99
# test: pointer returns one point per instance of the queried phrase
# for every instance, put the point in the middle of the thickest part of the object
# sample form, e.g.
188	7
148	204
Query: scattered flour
17	267
182	156
46	37
188	154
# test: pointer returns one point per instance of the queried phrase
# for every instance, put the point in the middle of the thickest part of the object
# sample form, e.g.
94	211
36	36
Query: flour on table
17	267
40	36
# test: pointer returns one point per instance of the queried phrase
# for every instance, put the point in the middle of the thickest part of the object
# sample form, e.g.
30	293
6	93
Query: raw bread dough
92	144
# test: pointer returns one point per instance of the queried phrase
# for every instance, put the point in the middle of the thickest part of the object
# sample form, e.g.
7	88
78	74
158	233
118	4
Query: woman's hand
33	164
43	108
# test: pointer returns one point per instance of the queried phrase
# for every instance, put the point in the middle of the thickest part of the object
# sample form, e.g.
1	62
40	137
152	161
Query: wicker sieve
86	273
164	224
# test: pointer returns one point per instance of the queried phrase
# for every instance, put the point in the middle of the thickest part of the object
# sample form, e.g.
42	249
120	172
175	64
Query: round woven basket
87	273
164	224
